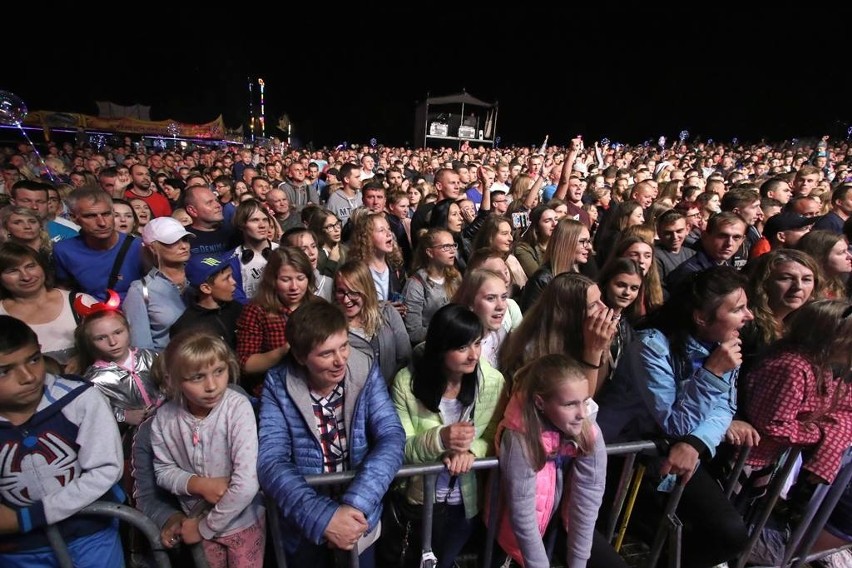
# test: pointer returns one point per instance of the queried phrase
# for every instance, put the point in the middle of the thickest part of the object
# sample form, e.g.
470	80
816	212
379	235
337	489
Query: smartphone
520	220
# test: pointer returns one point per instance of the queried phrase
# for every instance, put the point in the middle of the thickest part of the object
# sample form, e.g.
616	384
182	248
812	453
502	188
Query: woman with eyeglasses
375	328
569	247
332	251
434	281
253	221
447	214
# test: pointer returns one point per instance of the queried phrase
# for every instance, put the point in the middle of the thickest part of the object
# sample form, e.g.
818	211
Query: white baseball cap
166	230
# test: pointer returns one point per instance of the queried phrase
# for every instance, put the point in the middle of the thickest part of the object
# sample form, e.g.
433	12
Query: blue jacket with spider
66	456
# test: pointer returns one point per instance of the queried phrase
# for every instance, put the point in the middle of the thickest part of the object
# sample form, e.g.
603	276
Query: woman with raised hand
569	317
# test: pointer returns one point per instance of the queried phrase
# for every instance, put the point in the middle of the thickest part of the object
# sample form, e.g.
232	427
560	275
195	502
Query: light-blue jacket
653	395
151	317
289	448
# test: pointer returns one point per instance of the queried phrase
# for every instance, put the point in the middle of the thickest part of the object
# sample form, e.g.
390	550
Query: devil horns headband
111	305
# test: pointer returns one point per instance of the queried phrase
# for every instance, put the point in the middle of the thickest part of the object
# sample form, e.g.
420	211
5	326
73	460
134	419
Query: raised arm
567	165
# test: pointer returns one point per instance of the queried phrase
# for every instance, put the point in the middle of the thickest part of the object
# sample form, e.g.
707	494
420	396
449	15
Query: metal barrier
121	512
431	471
776	486
804	536
137	520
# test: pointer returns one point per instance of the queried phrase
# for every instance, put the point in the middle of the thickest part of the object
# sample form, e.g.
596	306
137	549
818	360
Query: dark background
627	72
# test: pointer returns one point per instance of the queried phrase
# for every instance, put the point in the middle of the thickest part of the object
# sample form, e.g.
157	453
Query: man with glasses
297	188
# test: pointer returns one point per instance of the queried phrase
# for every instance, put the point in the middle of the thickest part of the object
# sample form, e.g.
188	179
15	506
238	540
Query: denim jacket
150	318
653	394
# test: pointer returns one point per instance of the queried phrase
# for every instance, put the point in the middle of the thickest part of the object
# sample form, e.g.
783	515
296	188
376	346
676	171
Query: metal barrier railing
797	552
776	486
430	473
121	512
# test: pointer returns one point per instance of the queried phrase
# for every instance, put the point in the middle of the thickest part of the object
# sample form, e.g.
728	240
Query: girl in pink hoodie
550	447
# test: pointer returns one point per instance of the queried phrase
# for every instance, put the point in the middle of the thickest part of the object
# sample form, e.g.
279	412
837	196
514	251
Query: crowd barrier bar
130	516
776	486
738	469
430	473
810	529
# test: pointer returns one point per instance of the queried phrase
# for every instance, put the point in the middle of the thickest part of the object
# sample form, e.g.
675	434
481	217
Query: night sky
718	70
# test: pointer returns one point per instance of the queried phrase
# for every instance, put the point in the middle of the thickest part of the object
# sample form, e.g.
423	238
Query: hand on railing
170	535
458	462
347	525
681	461
742	434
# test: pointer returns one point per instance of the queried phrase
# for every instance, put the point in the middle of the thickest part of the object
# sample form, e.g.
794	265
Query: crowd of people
204	328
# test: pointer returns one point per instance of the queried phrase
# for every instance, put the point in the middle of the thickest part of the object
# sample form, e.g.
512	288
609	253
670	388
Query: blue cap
201	267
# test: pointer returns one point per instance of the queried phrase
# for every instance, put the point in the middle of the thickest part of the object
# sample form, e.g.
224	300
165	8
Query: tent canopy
458	99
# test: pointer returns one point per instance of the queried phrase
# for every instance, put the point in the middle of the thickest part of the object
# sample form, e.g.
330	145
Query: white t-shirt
451	411
252	270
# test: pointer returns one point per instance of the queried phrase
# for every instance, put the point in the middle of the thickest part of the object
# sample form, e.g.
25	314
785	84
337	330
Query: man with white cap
155	301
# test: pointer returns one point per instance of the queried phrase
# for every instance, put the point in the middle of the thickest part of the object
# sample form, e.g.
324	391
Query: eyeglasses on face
585	243
351	294
332	226
446	247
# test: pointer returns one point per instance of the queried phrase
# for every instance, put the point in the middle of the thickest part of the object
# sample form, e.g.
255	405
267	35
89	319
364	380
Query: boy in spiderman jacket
59	451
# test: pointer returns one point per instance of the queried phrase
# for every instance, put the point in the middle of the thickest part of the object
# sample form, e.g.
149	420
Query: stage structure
455	119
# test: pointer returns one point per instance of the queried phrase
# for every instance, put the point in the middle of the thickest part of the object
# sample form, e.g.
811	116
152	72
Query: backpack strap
119	260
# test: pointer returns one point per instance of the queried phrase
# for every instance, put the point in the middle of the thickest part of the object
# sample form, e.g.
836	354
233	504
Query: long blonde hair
362	241
357	276
561	251
542	377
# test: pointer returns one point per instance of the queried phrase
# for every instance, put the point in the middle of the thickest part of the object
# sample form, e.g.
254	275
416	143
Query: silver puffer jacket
120	386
